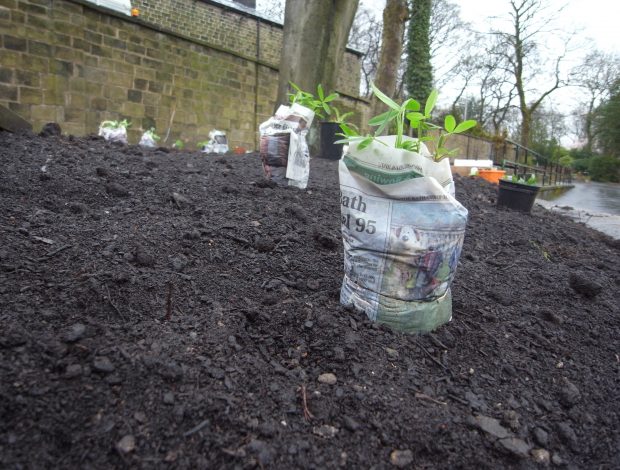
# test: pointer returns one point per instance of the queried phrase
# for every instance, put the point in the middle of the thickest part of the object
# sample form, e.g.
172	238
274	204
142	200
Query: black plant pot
329	149
516	196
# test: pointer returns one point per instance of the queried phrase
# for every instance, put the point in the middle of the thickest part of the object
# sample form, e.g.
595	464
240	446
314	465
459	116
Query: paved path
606	223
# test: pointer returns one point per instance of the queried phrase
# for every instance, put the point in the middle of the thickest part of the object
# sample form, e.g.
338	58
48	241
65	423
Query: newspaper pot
491	175
402	232
329	149
517	196
283	147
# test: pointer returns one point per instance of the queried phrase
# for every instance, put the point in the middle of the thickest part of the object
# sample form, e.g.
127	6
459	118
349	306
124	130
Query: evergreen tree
608	123
419	73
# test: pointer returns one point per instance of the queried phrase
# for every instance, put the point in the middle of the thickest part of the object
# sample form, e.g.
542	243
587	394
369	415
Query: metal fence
511	156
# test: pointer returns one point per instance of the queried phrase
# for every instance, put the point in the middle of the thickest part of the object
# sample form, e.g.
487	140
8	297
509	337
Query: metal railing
512	156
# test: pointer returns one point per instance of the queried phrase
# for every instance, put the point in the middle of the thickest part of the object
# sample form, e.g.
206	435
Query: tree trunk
395	15
313	43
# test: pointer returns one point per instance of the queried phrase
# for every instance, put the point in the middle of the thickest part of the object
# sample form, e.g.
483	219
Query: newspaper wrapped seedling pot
283	147
402	231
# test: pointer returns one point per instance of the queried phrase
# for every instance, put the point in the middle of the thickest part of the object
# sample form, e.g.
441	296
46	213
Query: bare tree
596	74
449	40
365	36
521	50
313	43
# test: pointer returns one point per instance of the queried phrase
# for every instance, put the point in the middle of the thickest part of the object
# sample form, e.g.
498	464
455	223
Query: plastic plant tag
403	232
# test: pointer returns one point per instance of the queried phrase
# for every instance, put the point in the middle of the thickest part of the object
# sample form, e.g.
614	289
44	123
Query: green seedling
339	118
531	180
151	133
319	104
410	110
179	144
124	124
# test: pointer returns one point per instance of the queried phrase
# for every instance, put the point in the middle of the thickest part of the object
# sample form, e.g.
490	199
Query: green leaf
415	117
465	125
379	94
364	143
347	130
450	123
331	97
382	118
319	90
430	103
411	105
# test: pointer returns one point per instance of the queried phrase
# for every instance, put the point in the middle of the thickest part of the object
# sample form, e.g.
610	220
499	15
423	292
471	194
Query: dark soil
162	309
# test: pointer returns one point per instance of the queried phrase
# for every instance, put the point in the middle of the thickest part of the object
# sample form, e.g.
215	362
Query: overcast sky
598	18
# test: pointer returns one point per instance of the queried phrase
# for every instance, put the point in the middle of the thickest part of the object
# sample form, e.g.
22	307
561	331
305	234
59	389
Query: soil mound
174	310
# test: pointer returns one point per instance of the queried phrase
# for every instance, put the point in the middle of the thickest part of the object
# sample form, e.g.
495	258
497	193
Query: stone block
9	4
150	99
45	113
136	48
155	87
73	127
34	64
140	84
6	75
93	37
11	59
14	43
99	103
29	95
135	96
54	97
115	93
120	79
80	44
92	88
133	109
39	22
61	67
114	42
66	53
123	67
32	9
100	51
76	101
90	61
73	114
8	92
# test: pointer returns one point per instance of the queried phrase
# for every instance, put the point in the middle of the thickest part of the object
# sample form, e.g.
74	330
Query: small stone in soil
103	364
541	437
541	456
401	458
75	333
126	444
517	446
117	190
569	394
328	378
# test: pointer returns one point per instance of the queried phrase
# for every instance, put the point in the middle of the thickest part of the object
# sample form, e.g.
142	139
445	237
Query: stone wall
190	65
